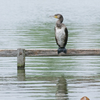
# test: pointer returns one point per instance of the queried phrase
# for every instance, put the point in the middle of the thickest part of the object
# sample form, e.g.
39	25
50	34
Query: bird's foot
64	50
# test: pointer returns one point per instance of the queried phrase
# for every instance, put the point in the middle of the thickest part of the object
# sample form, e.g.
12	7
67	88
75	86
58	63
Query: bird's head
58	16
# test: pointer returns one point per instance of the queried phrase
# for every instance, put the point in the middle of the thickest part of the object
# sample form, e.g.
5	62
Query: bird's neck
59	23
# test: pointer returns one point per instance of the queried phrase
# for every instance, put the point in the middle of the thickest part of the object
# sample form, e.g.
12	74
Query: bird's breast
60	36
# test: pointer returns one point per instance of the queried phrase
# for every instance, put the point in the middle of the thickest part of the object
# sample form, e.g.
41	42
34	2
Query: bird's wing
66	37
55	36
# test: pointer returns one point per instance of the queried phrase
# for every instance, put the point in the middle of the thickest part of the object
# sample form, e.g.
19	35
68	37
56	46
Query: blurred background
26	24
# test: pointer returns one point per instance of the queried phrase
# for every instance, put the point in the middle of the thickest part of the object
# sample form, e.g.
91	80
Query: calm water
26	24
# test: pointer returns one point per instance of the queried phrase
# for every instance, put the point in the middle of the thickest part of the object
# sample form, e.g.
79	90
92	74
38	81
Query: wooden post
20	58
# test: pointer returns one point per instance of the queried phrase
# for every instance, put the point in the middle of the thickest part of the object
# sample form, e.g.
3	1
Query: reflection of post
21	75
61	93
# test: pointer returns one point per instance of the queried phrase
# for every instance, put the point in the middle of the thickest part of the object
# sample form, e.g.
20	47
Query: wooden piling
20	59
22	53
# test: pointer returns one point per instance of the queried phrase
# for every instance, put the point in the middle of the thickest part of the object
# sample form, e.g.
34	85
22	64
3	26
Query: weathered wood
8	53
48	52
20	59
52	52
70	52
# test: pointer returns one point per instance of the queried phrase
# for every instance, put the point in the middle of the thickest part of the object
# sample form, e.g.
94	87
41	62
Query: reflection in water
21	75
62	91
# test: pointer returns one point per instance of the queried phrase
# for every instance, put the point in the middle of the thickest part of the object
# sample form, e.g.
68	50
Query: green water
26	24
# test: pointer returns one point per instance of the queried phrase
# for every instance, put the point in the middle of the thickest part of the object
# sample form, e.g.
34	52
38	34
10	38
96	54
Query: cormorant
61	34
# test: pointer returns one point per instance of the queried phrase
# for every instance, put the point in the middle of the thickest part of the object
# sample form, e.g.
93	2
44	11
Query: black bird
61	33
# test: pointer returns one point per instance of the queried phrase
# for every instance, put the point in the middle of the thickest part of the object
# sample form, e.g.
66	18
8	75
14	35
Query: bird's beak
54	16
